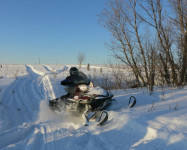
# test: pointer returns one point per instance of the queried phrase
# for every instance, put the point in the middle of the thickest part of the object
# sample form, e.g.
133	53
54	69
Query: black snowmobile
90	106
79	99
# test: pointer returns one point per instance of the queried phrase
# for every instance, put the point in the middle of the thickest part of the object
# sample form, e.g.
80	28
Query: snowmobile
87	102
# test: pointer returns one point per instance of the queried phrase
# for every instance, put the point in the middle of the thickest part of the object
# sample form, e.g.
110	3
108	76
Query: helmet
73	71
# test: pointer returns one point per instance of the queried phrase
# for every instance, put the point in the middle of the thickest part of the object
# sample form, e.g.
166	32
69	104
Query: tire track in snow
21	101
16	135
22	98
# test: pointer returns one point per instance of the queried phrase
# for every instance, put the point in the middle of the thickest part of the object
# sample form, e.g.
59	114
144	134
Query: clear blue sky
54	30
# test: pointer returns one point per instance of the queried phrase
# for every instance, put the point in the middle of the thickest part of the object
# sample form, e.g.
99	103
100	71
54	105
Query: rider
71	82
76	78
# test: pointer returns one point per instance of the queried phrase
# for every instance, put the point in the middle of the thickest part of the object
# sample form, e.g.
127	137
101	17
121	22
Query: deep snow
157	122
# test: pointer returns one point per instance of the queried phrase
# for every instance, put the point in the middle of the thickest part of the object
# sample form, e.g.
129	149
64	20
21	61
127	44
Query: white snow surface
157	122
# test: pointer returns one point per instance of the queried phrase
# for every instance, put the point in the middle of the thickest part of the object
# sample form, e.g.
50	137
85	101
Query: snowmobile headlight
83	88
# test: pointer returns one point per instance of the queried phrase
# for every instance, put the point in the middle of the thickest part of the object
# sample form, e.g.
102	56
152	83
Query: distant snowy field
157	122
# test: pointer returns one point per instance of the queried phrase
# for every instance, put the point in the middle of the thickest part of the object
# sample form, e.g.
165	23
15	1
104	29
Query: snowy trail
35	129
21	102
23	96
26	122
29	122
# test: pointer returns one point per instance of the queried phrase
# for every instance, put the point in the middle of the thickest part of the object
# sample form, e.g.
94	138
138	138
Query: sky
55	31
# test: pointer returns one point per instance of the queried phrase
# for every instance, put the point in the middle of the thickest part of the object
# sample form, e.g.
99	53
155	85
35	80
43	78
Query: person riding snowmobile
71	82
76	78
85	99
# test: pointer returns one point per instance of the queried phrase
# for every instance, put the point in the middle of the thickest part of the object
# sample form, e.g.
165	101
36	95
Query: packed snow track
27	123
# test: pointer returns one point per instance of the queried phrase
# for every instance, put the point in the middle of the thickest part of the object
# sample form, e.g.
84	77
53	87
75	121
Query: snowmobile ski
101	117
132	101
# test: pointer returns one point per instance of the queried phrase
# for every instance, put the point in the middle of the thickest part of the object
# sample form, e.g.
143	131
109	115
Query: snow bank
33	72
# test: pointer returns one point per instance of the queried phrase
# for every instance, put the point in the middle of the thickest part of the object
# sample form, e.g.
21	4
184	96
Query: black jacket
74	80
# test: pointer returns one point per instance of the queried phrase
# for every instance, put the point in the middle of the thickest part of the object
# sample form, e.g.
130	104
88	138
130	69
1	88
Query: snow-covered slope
158	121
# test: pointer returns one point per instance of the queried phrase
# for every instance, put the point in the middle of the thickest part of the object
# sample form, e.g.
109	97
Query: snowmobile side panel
101	103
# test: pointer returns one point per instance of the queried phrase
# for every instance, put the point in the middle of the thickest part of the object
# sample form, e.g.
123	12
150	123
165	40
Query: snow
158	121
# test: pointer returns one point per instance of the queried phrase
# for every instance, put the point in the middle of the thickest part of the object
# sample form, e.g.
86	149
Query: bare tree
163	53
152	62
162	22
81	57
88	67
122	19
179	21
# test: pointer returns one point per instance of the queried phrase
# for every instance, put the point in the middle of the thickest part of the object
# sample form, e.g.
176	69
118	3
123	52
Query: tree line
150	36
